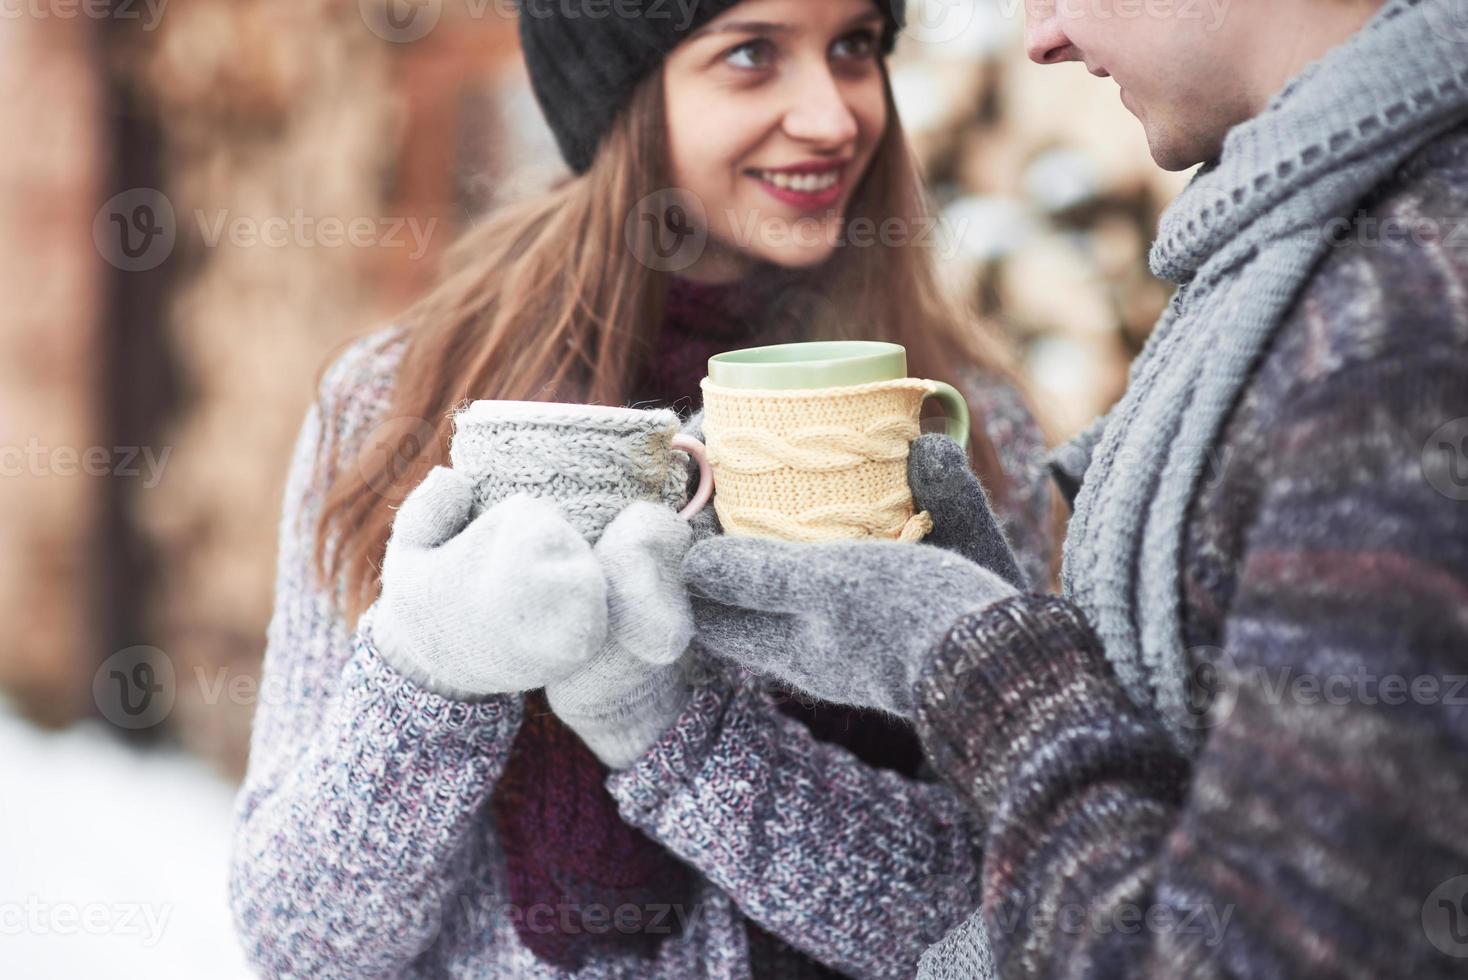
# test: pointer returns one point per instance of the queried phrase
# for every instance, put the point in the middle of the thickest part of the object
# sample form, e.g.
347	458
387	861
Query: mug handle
705	490
956	408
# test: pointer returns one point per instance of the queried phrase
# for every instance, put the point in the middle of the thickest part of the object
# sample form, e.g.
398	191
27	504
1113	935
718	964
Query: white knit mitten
508	601
627	695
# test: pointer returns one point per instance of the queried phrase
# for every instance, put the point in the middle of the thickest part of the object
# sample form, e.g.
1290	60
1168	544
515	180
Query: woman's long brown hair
547	300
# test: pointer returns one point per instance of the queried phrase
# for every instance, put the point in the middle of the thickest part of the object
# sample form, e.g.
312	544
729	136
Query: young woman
412	806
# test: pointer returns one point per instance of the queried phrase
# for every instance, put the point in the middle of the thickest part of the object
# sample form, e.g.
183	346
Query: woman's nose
820	113
1045	40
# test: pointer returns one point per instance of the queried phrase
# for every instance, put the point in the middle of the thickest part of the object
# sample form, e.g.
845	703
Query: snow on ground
113	861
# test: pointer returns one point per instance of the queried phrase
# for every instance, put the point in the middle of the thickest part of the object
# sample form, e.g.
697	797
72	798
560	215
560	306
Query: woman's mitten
633	688
507	601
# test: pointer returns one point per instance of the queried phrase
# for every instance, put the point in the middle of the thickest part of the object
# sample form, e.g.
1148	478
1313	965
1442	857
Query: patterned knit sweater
1321	829
365	843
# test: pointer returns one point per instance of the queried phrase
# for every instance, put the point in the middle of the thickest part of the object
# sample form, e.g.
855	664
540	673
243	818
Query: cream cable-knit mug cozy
591	460
809	442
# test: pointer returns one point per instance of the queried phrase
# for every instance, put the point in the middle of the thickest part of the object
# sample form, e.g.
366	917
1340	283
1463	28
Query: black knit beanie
585	57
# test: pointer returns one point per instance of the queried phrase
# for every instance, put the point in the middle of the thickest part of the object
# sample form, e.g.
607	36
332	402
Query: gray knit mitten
963	519
508	601
852	622
627	695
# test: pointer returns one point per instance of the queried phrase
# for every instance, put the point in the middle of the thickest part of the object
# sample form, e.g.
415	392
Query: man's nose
1045	40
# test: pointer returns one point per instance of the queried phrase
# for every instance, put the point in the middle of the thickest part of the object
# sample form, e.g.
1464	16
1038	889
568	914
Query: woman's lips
812	191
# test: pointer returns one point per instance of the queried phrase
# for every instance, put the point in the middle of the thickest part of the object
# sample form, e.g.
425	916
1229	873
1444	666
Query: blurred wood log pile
330	156
1049	195
315	165
50	179
283	124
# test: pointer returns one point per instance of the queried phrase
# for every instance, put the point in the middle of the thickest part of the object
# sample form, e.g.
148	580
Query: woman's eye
858	45
750	54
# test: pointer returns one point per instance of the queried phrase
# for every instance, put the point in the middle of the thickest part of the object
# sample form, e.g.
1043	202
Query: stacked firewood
315	160
1049	193
50	436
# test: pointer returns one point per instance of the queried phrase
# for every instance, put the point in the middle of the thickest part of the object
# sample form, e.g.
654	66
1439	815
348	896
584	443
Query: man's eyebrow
770	27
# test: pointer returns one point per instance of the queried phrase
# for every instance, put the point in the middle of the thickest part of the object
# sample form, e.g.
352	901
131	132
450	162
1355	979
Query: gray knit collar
1403	71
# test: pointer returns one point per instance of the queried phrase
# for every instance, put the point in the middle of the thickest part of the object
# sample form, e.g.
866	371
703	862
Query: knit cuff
622	735
375	626
675	760
409	697
1000	679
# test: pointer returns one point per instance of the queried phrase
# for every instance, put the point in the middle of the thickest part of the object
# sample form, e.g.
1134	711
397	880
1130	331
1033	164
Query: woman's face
774	109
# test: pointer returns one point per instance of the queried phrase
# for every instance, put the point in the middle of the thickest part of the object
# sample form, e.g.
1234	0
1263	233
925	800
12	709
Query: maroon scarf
566	847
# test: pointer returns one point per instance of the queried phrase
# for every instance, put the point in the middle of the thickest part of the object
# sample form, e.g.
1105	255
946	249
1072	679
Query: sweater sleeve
855	866
361	787
1320	829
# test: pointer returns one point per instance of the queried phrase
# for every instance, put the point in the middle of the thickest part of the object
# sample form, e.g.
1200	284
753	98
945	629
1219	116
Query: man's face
1186	68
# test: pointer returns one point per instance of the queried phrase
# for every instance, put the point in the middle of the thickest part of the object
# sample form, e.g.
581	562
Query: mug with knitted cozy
590	460
809	441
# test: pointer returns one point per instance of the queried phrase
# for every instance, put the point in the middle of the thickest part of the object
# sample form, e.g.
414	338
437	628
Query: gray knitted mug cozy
591	460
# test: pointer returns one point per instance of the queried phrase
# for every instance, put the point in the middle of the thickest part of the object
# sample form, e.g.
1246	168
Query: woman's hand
853	621
623	698
509	601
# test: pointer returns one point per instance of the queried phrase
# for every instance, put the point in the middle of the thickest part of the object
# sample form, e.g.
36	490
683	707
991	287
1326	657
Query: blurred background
199	199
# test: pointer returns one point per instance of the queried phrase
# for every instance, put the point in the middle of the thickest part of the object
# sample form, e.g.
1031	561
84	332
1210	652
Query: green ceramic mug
830	364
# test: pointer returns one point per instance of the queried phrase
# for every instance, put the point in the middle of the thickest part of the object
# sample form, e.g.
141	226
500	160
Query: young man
1235	744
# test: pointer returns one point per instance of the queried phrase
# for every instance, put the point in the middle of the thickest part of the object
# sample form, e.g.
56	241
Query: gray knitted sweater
1318	580
364	845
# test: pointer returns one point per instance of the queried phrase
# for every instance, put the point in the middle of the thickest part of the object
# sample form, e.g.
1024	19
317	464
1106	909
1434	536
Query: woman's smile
811	186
